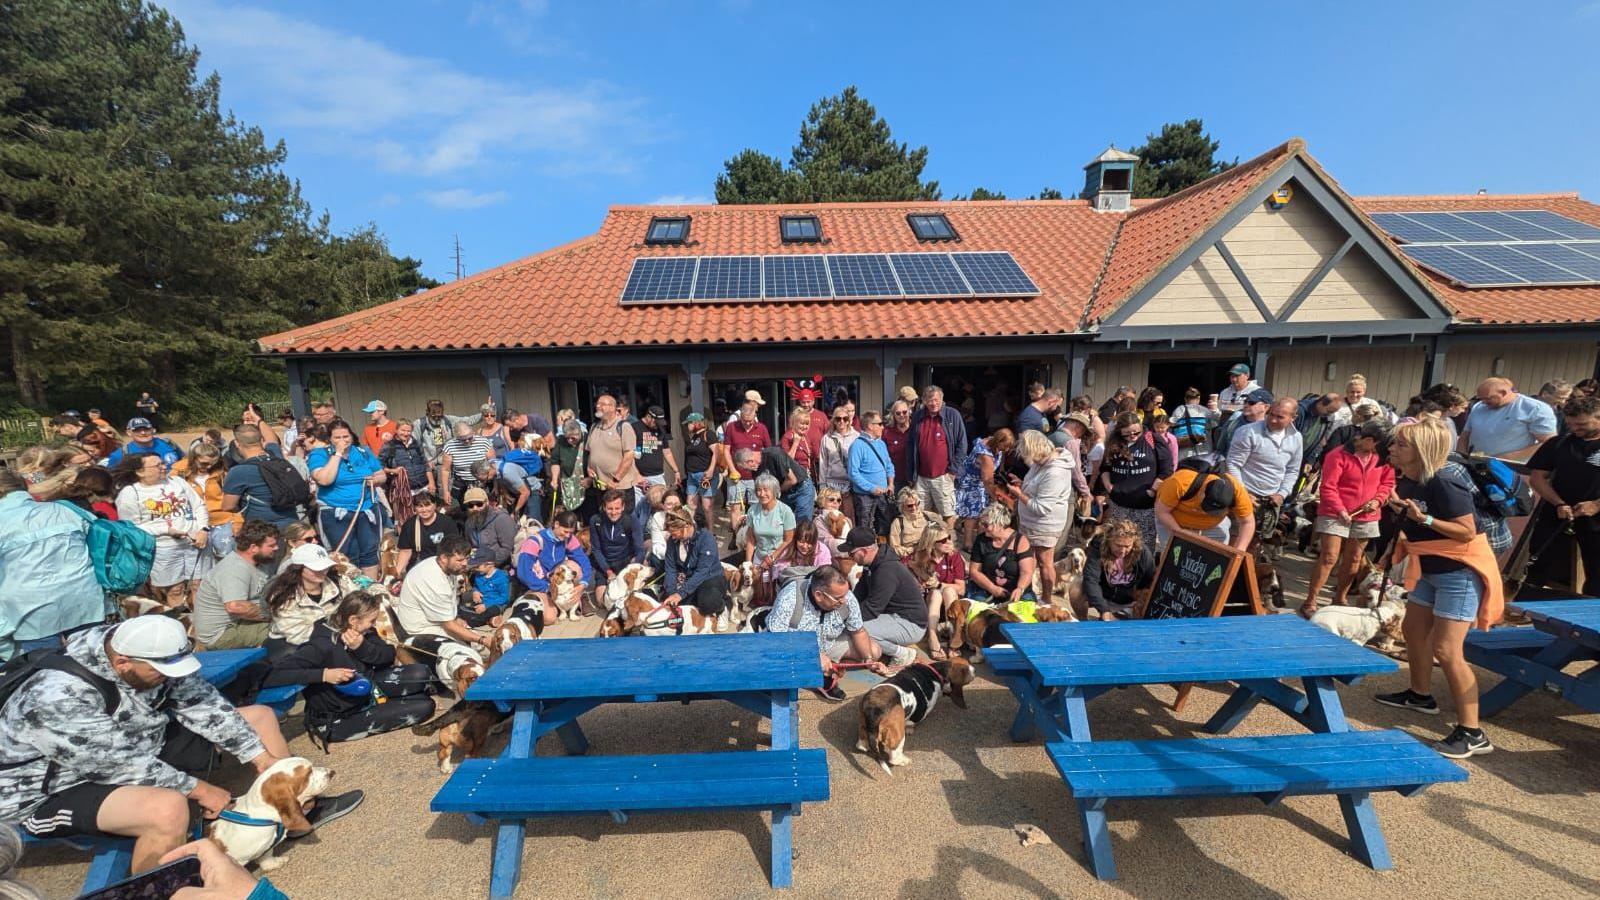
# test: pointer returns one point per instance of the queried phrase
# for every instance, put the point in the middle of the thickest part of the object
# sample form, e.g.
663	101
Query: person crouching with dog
693	571
822	603
99	740
427	612
353	687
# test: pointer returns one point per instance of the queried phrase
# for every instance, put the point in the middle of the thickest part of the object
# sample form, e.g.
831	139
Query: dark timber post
299	394
496	377
696	370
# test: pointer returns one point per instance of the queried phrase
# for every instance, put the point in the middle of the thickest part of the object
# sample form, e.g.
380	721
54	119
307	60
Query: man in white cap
100	739
381	429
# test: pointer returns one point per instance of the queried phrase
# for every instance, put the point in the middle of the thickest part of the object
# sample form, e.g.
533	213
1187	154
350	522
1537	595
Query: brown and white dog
976	626
631	580
1069	581
389	557
466	726
278	796
741	589
643	614
566	591
902	702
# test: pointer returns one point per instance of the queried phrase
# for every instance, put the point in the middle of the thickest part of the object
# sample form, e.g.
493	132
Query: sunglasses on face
475	505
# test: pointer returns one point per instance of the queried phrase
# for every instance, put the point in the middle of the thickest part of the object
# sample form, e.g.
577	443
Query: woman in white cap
167	507
301	596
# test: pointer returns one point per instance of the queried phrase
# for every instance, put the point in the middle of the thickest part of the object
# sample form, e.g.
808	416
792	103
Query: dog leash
238	818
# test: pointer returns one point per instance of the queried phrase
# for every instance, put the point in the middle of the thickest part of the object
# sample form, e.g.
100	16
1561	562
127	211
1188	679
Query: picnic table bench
113	856
1069	664
547	685
1563	632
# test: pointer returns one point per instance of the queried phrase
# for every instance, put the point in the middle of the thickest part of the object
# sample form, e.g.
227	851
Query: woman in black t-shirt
701	465
1565	473
1002	560
1130	474
1457	574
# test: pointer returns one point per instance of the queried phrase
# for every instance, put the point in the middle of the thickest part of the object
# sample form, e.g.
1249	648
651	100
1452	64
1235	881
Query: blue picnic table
1056	668
1531	659
548	685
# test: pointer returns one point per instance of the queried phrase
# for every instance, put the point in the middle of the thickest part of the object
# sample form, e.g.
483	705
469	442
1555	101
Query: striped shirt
463	453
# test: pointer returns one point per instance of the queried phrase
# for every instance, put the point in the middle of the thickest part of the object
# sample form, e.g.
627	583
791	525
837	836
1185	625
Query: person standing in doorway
1232	399
938	448
609	452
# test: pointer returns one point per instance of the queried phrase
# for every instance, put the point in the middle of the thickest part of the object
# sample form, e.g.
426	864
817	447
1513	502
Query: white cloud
682	200
410	113
520	23
463	198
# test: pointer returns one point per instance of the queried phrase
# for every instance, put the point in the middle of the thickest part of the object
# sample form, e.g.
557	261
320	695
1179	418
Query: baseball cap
858	539
475	495
755	396
374	406
159	641
139	422
1239	369
479	558
692	418
1259	395
657	412
312	556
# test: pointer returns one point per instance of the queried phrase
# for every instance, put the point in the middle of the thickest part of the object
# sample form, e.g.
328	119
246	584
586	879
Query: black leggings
407	704
711	597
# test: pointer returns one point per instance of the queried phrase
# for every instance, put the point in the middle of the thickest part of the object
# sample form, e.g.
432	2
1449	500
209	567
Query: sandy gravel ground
1522	826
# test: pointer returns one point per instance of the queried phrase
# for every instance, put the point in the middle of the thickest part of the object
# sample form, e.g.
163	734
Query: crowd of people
862	526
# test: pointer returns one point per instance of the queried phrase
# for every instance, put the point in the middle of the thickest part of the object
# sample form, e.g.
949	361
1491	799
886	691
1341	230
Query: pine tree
1182	154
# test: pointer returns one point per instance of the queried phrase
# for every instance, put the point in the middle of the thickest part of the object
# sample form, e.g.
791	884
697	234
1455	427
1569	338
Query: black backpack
1218	497
284	484
19	669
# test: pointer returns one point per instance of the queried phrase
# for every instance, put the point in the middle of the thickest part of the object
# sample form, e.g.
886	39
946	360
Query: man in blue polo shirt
1507	424
142	441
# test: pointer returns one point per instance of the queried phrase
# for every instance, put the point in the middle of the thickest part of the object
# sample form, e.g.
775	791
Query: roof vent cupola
1108	180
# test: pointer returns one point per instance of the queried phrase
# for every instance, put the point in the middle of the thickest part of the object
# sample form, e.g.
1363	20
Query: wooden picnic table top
708	664
221	666
1163	651
1579	619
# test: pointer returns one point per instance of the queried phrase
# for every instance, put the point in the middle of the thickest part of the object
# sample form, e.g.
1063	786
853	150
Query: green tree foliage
1182	154
846	153
983	193
146	236
1048	193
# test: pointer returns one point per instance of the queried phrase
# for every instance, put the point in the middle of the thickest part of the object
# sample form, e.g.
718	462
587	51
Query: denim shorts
742	491
695	490
1451	595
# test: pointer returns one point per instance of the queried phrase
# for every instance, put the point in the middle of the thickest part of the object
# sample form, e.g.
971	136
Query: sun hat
159	641
312	556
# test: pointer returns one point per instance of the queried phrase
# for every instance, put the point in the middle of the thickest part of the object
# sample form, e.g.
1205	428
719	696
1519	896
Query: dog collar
239	818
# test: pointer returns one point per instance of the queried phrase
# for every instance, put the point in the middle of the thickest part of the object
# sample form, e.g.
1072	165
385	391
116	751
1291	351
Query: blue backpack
1501	492
122	553
1189	429
530	460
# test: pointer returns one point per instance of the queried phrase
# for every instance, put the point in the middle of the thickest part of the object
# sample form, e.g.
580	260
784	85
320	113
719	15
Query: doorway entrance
1174	376
997	391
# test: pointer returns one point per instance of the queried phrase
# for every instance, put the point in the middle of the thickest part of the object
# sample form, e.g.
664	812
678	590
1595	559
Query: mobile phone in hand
156	884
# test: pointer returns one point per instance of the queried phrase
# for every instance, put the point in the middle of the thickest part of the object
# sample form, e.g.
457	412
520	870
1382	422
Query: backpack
122	553
285	488
19	669
1190	430
1218	497
1501	492
530	460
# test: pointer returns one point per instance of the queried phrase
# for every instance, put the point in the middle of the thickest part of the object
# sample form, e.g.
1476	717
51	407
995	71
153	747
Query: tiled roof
1086	263
1152	235
1506	306
569	296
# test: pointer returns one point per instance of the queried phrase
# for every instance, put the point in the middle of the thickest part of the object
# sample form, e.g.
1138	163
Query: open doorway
996	392
1174	376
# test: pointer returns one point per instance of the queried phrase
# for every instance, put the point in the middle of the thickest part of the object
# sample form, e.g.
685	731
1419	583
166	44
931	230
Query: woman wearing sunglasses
348	477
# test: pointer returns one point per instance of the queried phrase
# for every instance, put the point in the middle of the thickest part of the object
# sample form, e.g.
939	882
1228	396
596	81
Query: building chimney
1108	180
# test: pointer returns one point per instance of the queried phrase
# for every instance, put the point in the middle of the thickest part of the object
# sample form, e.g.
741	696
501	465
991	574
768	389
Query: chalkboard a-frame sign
1198	578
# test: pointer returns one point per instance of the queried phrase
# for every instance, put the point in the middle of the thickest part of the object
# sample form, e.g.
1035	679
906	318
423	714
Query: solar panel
660	278
1568	256
796	277
1409	230
995	275
1459	267
1459	230
1514	228
929	275
1510	259
862	275
728	278
1558	223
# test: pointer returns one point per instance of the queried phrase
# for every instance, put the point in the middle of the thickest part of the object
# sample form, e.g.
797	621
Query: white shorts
1361	531
938	494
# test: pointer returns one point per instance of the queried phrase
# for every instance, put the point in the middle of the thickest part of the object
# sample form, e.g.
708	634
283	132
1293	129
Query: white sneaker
905	656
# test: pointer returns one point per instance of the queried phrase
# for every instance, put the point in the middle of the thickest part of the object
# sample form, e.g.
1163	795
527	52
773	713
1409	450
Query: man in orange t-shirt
382	429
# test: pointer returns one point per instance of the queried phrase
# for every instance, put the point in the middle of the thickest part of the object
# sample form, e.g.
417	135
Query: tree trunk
165	376
29	383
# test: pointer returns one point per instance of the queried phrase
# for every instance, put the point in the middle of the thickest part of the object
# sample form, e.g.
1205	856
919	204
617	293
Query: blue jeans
694	488
361	545
802	500
1451	595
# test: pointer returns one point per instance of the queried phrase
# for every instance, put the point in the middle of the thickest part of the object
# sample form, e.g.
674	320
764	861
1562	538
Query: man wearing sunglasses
101	739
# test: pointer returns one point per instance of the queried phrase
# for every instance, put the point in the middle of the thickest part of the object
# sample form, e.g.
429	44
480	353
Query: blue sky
515	123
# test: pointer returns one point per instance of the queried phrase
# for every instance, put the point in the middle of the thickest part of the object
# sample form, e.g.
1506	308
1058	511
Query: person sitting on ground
419	536
1355	485
103	745
692	571
490	595
142	440
1452	577
615	540
892	604
655	532
229	609
492	531
245	489
168	508
823	603
343	651
1002	559
427	613
942	572
544	551
828	503
906	530
292	538
302	595
404	453
1205	502
1118	565
805	549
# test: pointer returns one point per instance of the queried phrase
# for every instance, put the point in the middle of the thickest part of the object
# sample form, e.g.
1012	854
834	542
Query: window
932	227
800	229
668	230
579	394
728	396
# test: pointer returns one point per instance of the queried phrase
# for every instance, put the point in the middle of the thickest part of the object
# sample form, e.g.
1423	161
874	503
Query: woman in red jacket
1355	483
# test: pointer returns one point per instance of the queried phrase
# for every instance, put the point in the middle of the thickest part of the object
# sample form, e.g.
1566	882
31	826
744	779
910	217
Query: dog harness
922	694
238	818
